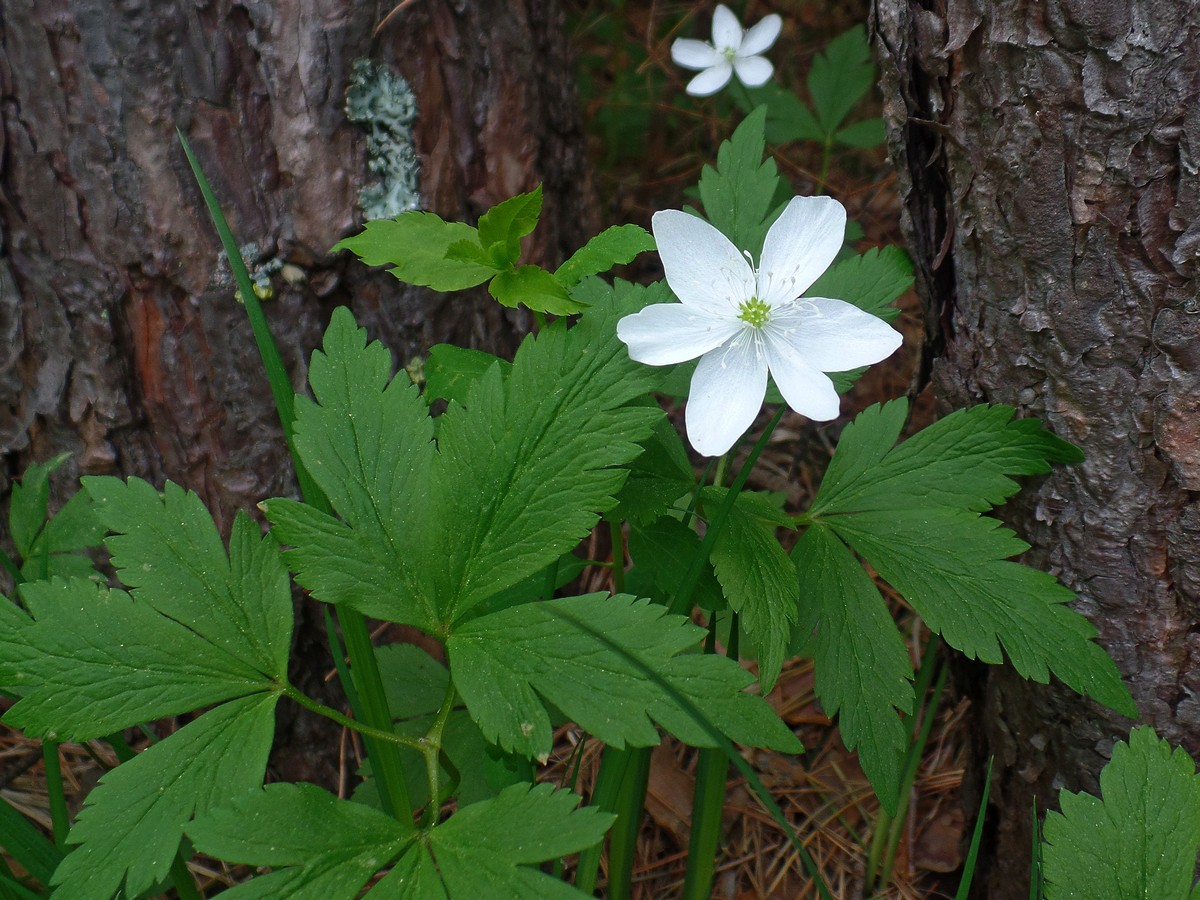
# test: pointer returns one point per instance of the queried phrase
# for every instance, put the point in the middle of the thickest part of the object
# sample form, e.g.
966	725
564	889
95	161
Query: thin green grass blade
1035	868
11	889
366	679
60	817
964	886
23	842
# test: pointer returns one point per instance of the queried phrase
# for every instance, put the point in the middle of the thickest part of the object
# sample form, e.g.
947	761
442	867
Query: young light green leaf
840	77
415	244
368	442
864	135
913	513
616	245
863	675
322	848
871	281
93	662
612	677
502	227
758	580
132	824
1140	840
739	194
535	288
450	371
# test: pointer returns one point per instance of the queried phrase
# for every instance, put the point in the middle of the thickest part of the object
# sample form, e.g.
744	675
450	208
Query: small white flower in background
743	321
732	50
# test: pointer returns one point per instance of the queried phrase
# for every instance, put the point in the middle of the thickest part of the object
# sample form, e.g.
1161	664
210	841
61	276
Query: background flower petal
800	246
667	333
760	36
726	394
807	391
694	54
711	80
727	30
702	266
753	71
836	336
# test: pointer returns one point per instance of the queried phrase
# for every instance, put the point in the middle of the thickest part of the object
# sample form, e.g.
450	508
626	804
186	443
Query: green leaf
661	475
616	245
29	504
863	135
738	195
788	117
368	442
502	227
415	244
166	547
913	513
132	824
611	664
535	288
664	550
322	848
758	580
840	77
863	674
871	281
1140	840
450	371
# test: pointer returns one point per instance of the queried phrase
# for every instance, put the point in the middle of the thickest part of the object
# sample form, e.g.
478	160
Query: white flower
732	50
742	321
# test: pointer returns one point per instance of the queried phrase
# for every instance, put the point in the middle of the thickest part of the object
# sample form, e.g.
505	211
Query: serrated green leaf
502	227
840	77
657	478
450	371
167	549
470	251
871	281
132	823
415	244
788	117
535	288
1140	840
863	674
616	245
612	677
74	527
864	135
664	550
738	195
913	513
758	580
29	504
323	848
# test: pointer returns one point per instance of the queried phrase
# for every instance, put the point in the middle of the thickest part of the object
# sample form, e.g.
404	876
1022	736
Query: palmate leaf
611	664
322	848
416	245
1140	840
840	77
913	513
45	545
872	281
519	476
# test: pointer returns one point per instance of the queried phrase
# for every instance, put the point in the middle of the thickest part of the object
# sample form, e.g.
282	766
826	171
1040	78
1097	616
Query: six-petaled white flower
743	322
732	50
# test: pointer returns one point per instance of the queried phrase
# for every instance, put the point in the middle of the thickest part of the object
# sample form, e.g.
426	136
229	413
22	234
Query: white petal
727	393
800	246
711	80
753	71
832	335
760	36
703	268
667	333
695	54
807	391
727	30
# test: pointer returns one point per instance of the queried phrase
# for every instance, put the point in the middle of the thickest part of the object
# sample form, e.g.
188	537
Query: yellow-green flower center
754	312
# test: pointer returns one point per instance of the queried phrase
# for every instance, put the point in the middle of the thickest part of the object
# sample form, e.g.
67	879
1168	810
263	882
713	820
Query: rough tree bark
119	340
1048	156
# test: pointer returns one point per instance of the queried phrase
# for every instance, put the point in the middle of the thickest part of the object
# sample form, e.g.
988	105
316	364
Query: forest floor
650	141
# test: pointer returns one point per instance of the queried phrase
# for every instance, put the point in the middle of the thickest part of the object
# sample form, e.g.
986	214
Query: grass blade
23	842
964	886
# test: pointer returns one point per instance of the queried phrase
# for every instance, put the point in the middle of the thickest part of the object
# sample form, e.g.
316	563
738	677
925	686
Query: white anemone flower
732	50
743	322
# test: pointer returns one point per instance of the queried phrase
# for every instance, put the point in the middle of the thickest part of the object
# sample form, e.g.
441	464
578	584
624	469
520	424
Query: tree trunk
120	340
1048	157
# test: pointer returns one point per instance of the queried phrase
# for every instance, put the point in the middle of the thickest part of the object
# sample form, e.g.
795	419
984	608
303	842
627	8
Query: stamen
754	312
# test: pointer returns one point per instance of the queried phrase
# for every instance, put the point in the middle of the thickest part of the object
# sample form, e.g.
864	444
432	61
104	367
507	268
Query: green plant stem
628	805
181	878
59	815
431	748
708	798
366	731
366	681
826	158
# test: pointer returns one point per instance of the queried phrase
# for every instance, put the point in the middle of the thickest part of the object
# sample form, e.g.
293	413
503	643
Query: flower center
729	53
754	312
